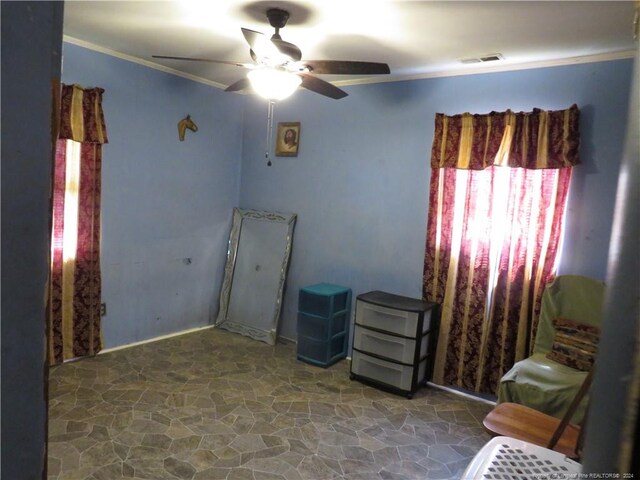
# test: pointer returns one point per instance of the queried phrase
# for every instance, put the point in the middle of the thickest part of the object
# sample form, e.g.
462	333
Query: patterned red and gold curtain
498	191
537	139
75	285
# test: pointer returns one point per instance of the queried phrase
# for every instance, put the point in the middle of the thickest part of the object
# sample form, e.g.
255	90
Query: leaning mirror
255	273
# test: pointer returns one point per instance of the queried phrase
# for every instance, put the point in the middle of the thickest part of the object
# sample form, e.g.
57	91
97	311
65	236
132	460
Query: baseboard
462	394
287	340
155	339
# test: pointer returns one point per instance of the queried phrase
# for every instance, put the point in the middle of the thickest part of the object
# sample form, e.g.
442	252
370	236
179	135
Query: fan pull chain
269	131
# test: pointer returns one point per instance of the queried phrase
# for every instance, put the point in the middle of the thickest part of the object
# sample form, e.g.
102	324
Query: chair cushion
575	344
544	385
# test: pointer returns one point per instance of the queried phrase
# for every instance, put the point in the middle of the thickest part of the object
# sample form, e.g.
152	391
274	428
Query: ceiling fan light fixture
273	84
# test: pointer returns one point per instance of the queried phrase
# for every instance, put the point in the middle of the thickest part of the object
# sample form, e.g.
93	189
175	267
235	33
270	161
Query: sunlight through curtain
498	190
75	283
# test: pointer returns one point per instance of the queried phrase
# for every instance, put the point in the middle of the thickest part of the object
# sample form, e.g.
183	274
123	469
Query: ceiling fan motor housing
277	18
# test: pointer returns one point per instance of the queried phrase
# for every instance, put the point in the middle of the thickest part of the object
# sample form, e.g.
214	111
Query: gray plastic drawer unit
394	341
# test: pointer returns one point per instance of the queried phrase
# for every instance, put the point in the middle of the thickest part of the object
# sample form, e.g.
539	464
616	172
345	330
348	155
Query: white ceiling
416	38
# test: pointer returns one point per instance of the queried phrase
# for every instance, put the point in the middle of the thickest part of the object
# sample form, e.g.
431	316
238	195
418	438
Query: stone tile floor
215	405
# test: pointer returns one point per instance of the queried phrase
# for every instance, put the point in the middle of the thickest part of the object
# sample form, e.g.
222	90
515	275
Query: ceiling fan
278	68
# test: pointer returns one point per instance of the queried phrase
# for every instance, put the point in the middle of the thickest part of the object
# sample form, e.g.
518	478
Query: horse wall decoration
185	123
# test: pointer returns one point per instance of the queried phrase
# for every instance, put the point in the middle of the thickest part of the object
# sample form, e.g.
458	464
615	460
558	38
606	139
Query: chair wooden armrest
527	424
524	423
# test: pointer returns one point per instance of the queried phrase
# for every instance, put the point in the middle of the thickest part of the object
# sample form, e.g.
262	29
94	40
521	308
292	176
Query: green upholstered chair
537	381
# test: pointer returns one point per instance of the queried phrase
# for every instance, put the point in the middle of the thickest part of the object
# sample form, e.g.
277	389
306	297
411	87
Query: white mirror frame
244	327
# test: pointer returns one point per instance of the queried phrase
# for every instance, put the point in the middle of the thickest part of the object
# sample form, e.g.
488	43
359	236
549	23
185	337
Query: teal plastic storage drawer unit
323	323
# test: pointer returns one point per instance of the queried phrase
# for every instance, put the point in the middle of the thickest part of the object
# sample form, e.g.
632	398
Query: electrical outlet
103	309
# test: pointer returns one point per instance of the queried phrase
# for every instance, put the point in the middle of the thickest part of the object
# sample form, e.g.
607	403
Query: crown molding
601	57
140	61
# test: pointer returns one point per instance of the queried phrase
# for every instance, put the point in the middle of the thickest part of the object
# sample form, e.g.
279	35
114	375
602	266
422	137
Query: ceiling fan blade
260	44
252	37
288	49
241	84
273	50
320	86
237	64
346	67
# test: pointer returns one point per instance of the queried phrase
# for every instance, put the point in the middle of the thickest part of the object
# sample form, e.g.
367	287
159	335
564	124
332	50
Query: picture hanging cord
269	131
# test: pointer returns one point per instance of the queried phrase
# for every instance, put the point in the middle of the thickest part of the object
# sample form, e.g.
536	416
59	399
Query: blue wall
31	51
360	182
163	201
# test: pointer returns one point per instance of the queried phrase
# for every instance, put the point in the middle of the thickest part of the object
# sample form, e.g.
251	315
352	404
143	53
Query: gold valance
537	139
81	116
